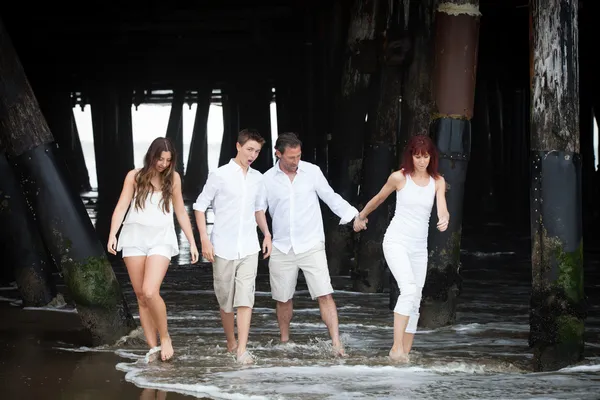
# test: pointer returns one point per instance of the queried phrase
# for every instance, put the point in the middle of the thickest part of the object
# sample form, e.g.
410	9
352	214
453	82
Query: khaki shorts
283	273
234	282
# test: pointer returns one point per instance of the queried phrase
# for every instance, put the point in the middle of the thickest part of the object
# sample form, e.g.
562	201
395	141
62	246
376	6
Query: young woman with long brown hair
405	242
148	240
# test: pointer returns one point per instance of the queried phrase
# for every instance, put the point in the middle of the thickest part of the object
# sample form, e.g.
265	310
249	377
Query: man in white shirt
235	191
293	189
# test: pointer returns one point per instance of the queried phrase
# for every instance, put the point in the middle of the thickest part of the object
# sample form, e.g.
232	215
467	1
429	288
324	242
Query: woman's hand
112	244
443	221
359	223
194	253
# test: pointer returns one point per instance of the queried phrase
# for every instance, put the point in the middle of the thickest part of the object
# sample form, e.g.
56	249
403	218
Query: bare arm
182	216
442	206
200	206
120	210
261	221
395	182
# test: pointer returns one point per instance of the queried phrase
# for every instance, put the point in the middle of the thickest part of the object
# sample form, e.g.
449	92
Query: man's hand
267	246
208	251
359	223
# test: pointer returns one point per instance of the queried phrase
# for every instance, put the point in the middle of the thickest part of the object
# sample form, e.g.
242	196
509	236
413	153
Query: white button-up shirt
295	210
234	199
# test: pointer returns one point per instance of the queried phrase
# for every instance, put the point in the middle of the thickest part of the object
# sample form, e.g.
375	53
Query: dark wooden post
61	217
21	246
196	170
113	147
456	41
230	125
57	108
175	127
557	300
254	112
383	127
346	150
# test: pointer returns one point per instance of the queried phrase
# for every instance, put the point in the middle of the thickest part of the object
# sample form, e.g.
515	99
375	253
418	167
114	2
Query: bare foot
338	350
232	348
245	358
152	354
166	351
398	356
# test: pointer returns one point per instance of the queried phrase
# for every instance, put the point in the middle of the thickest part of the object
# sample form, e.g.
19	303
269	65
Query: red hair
420	144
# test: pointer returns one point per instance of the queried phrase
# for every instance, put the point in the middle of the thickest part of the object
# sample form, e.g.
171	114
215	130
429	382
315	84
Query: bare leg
407	342
285	312
135	268
330	317
156	268
244	317
228	320
397	352
148	394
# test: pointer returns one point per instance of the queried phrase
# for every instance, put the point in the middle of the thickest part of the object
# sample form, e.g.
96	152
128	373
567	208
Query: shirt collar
301	166
236	167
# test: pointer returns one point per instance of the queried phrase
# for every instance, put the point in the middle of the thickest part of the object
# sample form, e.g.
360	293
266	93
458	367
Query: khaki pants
283	273
234	282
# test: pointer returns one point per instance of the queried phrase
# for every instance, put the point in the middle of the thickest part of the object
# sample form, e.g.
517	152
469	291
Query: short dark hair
285	140
250	134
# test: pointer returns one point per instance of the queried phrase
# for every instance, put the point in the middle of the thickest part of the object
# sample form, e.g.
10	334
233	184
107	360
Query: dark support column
21	246
113	140
175	127
417	77
113	147
417	95
57	108
255	113
558	306
62	219
380	150
456	41
231	125
196	170
346	151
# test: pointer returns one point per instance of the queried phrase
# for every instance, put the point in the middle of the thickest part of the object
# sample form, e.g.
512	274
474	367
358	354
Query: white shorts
283	273
163	250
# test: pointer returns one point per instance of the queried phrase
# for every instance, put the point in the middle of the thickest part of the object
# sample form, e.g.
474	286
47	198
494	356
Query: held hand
360	224
267	246
194	253
112	245
208	250
443	222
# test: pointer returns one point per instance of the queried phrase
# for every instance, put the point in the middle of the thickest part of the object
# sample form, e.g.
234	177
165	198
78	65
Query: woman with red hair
405	240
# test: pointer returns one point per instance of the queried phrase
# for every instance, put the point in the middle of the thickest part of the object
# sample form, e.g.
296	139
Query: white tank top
413	210
152	214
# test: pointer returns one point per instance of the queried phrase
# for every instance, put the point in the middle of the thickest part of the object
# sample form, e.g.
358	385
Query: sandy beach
33	366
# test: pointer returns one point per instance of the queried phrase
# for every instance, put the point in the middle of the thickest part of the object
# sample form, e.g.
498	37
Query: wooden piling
456	42
62	220
346	147
558	305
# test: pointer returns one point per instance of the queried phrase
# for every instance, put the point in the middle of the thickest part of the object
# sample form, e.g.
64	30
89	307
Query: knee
149	294
141	299
408	290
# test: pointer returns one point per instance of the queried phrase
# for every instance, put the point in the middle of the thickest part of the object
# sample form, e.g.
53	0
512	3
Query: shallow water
485	355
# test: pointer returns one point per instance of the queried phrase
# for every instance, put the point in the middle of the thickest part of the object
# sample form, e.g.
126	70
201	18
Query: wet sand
32	366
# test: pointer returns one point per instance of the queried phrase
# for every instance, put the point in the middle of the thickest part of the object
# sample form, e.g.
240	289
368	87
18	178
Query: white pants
408	264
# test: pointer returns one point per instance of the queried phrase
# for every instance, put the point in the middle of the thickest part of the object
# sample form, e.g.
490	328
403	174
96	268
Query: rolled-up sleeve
261	197
208	193
334	201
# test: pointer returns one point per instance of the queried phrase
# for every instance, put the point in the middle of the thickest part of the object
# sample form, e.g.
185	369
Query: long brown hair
421	144
143	184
